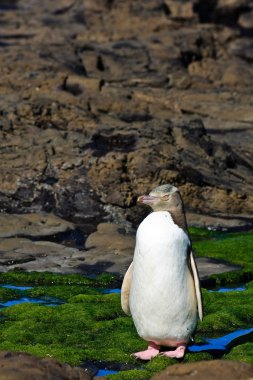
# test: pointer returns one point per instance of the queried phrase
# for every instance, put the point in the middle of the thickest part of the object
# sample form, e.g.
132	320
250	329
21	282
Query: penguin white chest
162	296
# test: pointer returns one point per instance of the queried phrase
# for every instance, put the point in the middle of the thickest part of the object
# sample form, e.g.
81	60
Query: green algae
131	375
226	312
243	353
61	292
91	326
7	294
198	233
233	247
48	278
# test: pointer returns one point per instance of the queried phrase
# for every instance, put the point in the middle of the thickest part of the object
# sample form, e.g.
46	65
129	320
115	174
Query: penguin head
162	198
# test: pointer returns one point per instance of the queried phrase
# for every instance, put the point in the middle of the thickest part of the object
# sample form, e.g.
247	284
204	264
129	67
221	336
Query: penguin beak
146	199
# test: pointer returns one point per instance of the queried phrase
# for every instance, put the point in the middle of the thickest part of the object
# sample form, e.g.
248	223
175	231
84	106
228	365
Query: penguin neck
176	210
178	217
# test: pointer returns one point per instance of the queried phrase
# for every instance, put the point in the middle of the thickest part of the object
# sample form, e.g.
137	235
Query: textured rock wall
102	100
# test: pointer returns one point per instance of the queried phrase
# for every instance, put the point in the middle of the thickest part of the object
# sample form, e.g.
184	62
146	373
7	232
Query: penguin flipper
197	285
125	290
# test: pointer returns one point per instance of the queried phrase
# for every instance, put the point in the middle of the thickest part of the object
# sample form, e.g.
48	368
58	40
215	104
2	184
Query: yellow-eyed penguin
161	288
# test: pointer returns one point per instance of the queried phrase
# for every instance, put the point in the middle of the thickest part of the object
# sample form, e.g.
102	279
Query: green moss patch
199	234
226	312
235	248
48	278
243	352
7	294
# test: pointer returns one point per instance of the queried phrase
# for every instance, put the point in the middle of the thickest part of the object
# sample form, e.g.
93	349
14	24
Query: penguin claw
150	353
146	355
178	353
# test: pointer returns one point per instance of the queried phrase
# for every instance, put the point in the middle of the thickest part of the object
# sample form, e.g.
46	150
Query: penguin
161	288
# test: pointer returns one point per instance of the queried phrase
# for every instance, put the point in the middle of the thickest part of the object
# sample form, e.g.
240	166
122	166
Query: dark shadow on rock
103	142
95	269
72	238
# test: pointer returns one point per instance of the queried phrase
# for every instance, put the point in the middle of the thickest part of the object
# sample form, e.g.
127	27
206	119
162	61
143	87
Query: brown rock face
101	101
109	248
207	370
39	242
12	225
20	366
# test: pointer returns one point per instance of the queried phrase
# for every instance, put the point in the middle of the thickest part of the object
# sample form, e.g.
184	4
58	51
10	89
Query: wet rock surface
220	222
21	366
205	370
48	243
110	249
38	242
33	225
24	254
101	101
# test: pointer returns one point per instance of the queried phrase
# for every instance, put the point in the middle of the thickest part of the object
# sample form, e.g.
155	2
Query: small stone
246	20
242	47
237	75
21	366
77	84
180	10
180	80
207	370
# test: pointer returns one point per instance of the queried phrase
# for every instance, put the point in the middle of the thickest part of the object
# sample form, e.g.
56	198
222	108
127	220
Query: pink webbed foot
178	353
150	353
